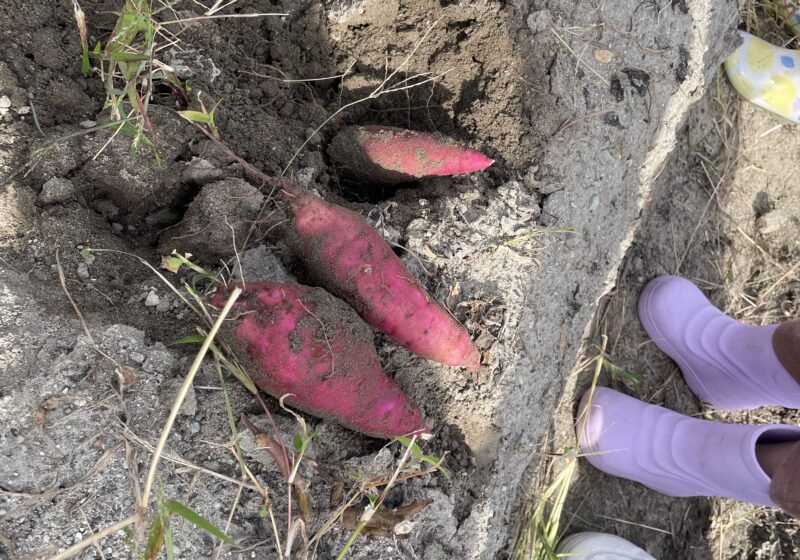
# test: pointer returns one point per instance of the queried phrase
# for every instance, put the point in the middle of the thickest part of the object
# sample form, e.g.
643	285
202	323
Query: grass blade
197	520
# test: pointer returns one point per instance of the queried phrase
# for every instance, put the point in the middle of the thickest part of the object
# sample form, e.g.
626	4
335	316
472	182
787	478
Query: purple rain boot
674	454
727	364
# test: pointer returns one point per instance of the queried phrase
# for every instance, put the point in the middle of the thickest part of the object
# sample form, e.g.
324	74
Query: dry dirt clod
56	190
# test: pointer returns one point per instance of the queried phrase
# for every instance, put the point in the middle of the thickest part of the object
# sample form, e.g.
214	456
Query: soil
520	253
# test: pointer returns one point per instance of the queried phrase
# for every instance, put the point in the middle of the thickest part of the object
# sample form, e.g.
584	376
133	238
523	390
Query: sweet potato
394	155
348	258
303	341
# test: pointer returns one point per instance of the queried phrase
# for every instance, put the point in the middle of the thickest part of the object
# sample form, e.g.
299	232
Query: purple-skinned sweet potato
347	257
305	342
395	155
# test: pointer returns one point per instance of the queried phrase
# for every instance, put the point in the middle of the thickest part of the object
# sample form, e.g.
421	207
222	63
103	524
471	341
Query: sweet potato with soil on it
349	258
304	341
394	155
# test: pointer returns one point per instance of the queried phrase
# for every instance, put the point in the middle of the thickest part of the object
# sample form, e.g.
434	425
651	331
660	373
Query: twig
162	441
299	80
91	532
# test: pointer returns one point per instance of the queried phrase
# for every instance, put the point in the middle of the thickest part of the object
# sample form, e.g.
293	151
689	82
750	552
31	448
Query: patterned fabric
766	75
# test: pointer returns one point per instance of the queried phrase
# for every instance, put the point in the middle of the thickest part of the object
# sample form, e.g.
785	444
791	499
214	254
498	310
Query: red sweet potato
303	341
394	155
348	258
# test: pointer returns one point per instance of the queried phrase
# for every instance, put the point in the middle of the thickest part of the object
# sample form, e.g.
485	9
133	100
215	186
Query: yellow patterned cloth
766	75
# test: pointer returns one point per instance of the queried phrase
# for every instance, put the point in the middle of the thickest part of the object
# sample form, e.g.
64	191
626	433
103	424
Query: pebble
87	124
83	271
164	305
137	357
5	104
194	427
24	110
117	227
56	190
152	299
201	172
773	222
305	177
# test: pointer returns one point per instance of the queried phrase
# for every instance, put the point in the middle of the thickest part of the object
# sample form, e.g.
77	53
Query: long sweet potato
394	155
305	342
348	258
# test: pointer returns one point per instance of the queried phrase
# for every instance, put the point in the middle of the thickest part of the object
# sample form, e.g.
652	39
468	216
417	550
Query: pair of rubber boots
729	366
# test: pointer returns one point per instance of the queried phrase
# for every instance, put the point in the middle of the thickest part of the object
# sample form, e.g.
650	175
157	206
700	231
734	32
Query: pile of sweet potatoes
306	343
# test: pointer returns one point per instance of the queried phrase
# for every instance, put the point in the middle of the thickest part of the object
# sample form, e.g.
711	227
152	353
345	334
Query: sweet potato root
394	155
348	258
305	342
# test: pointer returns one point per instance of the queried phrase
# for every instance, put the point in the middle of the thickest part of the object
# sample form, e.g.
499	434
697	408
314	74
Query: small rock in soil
87	124
200	171
305	177
216	222
83	271
773	222
259	263
164	305
152	299
56	190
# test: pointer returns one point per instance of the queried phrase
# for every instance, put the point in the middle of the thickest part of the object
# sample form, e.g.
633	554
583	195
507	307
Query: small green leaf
85	252
171	263
372	499
169	544
197	116
235	371
190	339
262	513
197	520
128	57
155	538
85	67
297	441
629	378
435	462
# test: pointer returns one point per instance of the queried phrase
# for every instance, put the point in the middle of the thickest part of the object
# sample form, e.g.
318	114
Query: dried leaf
603	56
172	264
337	493
384	522
126	376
